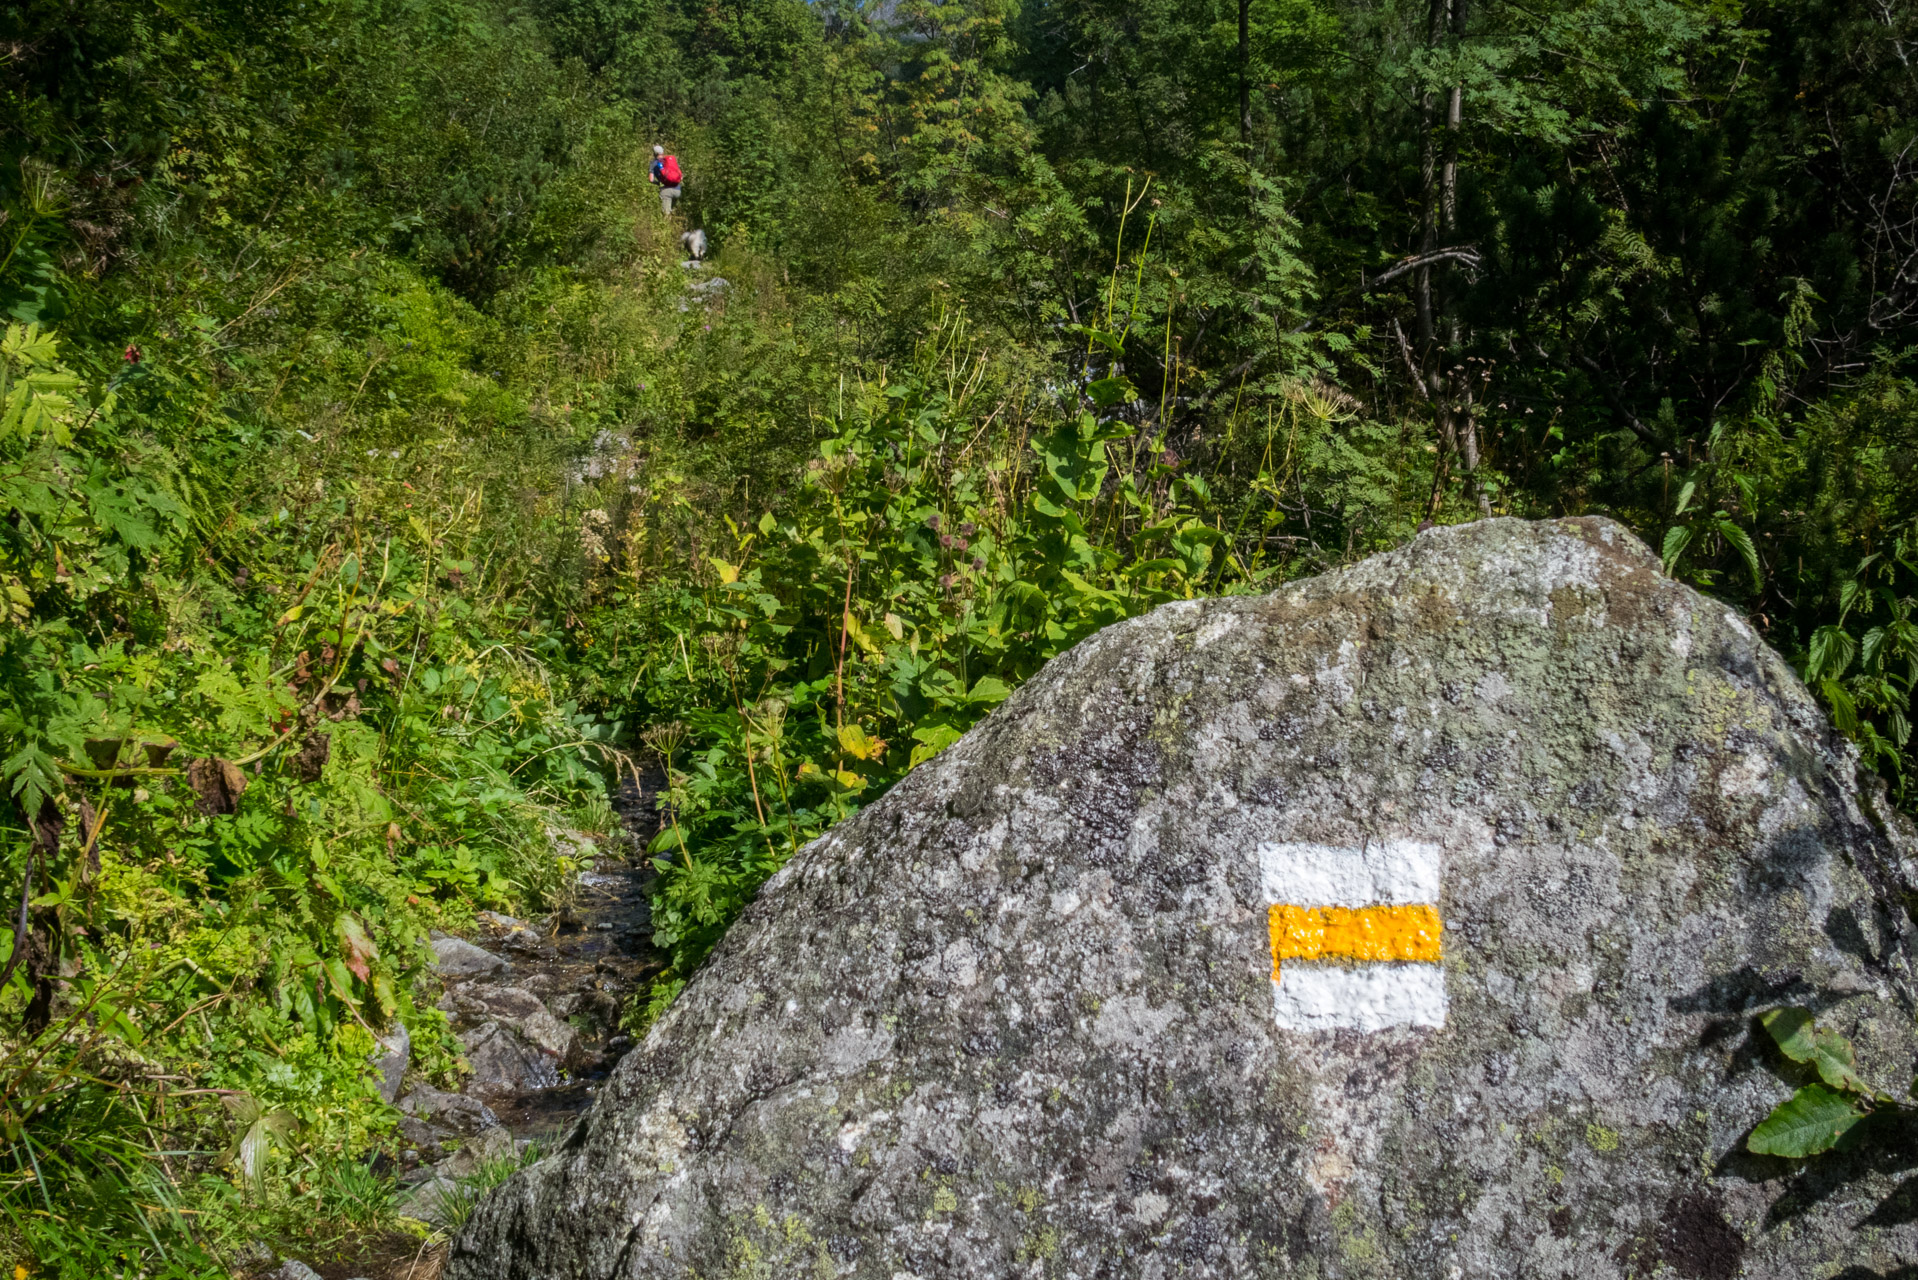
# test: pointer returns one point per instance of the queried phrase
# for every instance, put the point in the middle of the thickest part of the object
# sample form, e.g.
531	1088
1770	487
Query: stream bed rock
536	1009
1410	921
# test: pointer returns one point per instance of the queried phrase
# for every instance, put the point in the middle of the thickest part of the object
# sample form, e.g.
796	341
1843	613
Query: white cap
658	150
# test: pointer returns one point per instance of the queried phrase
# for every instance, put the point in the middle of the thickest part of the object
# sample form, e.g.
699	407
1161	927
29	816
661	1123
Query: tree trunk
1245	78
1454	117
1428	373
1447	390
1463	400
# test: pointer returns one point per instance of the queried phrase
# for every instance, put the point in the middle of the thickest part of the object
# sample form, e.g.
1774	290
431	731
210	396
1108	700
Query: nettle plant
1864	664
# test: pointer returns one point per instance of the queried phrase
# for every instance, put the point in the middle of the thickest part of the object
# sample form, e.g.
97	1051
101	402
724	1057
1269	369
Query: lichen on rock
1021	1016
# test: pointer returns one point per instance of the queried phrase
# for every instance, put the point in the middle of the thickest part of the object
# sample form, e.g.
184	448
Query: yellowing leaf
854	741
727	572
292	615
894	627
359	948
859	636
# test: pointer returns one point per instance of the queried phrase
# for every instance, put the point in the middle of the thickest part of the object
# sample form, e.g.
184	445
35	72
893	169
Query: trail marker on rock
1416	920
1356	935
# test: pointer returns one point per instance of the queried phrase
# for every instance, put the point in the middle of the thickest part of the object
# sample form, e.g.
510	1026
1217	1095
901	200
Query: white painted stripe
1365	998
1380	873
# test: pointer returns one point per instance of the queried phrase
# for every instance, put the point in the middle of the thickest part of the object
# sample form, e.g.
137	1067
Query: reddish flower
133	354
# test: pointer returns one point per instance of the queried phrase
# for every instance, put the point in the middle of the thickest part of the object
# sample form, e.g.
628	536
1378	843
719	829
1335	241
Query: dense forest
381	489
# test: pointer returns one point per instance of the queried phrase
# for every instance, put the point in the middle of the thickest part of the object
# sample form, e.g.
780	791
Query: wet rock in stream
536	1006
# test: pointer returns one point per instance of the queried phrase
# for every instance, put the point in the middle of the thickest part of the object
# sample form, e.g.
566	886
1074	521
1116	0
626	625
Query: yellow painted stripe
1354	933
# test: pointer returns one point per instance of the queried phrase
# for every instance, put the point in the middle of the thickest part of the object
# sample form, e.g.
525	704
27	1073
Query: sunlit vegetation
381	489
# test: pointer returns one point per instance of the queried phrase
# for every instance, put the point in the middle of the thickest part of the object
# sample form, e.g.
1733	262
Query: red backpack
669	170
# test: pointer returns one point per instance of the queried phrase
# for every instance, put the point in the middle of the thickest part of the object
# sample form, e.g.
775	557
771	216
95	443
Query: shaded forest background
380	490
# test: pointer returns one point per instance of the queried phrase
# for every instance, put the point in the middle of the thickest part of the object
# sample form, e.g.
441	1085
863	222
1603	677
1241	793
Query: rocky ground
537	1005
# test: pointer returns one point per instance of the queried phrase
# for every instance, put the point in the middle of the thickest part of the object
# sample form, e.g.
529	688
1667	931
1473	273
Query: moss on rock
1019	1018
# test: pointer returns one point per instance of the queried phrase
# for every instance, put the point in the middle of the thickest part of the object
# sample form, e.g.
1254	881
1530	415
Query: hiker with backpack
665	174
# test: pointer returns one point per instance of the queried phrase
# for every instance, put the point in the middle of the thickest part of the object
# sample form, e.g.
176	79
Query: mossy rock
1547	831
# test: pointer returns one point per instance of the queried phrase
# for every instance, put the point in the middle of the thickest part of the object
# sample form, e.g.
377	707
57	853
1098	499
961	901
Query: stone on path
502	1064
430	1201
508	1004
1410	921
454	1112
390	1060
487	1145
551	1036
525	1013
457	958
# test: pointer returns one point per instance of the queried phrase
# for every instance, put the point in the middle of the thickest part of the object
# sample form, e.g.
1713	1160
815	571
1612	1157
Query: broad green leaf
1810	1121
1830	653
1111	341
1742	543
1802	1040
1847	596
1844	710
1677	538
342	980
989	690
932	740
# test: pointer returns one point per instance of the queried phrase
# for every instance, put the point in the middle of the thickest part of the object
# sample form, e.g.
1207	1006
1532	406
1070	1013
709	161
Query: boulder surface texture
1413	920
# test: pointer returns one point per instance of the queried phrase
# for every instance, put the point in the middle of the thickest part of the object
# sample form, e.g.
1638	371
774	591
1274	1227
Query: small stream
600	952
537	1005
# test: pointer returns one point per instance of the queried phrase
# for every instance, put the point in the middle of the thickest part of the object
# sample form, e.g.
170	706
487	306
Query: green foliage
923	567
463	1196
376	486
1819	1115
1802	1040
253	790
1810	1121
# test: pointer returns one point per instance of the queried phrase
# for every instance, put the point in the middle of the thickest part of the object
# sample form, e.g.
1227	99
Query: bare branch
1610	393
1411	363
1464	253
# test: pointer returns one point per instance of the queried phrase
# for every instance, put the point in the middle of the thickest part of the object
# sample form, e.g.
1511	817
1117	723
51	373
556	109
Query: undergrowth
379	494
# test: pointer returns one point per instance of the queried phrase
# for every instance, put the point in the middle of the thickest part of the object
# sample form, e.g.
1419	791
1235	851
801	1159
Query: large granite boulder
1411	921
